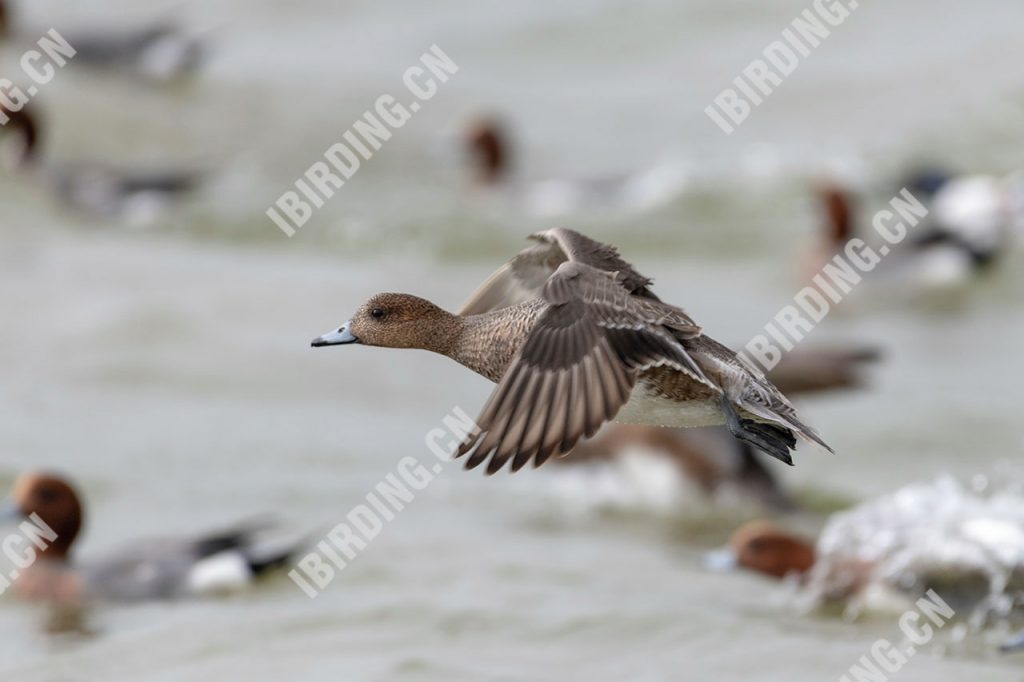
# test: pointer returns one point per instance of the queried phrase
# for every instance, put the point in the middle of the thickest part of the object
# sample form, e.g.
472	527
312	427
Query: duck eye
377	313
46	495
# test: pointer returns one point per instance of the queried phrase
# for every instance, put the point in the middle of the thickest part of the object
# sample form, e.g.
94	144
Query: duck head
396	321
24	126
763	547
55	501
488	151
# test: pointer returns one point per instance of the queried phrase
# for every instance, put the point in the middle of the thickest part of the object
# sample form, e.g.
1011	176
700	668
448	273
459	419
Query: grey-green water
168	370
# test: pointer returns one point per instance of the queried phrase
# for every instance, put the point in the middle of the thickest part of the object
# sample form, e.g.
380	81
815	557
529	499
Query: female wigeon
159	52
491	162
154	569
94	188
711	461
574	337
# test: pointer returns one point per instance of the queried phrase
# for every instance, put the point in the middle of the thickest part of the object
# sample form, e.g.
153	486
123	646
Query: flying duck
574	337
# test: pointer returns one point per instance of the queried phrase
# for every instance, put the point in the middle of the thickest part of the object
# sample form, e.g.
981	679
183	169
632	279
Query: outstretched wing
523	278
577	367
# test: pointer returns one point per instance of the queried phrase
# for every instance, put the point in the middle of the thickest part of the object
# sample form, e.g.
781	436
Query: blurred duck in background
656	466
98	189
155	569
491	157
965	543
968	229
1014	644
162	51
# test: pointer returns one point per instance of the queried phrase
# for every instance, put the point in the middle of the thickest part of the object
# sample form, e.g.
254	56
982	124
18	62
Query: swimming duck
487	148
969	225
807	370
710	458
159	52
940	535
574	337
94	188
634	465
154	569
1013	644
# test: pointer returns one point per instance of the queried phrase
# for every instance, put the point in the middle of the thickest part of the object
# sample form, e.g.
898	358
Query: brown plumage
761	546
24	123
5	20
816	370
57	504
838	209
488	151
573	334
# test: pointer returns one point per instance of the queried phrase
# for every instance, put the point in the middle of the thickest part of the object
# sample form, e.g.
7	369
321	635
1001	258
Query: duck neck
23	124
59	549
491	158
443	334
839	212
488	342
491	174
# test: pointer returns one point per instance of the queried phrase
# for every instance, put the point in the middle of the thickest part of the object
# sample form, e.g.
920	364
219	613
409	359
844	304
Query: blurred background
159	356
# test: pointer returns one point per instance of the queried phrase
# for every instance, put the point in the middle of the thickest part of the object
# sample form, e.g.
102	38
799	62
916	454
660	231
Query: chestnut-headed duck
634	466
966	545
153	569
97	189
762	546
574	337
716	465
491	163
968	228
159	52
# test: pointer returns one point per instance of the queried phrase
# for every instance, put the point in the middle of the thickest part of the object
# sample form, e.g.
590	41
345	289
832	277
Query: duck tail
807	433
782	415
269	561
811	435
281	554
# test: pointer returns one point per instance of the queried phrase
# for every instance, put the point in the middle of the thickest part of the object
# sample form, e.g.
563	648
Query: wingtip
539	235
813	436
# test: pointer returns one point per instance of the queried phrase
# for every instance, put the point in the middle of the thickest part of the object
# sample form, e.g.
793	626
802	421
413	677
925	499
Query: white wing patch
223	572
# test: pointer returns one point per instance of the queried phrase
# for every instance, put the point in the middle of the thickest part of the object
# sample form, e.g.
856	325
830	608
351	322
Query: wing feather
523	277
577	367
